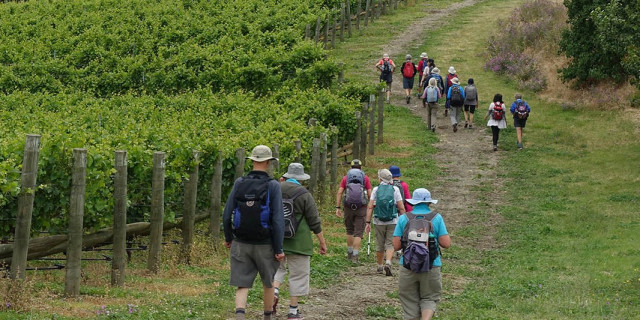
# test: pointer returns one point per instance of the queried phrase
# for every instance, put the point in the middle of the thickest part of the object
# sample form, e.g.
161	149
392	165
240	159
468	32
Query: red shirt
421	65
407	195
367	183
381	63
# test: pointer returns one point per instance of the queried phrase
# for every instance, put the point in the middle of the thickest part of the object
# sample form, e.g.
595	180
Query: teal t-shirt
439	229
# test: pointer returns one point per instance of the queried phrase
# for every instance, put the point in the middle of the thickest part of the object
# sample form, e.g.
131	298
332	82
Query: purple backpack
416	257
420	249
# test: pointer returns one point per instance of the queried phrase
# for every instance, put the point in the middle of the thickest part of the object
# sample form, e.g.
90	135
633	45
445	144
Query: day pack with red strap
498	111
408	70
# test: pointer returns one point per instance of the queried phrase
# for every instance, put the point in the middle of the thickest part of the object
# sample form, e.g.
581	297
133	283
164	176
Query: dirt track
467	160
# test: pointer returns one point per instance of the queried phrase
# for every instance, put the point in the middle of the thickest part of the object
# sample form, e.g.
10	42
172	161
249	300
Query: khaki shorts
247	260
299	270
419	291
384	237
354	221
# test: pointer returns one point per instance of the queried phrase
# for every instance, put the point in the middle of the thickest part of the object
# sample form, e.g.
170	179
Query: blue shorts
407	83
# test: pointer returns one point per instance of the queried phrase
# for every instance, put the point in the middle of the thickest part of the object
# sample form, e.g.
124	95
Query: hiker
427	73
496	116
448	83
430	99
403	186
520	110
386	67
470	103
408	74
256	245
422	64
386	204
420	284
298	243
455	96
355	186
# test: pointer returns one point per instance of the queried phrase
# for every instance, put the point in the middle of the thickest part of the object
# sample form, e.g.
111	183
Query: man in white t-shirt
387	201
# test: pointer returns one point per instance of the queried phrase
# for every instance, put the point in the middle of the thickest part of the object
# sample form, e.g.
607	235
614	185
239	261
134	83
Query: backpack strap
299	191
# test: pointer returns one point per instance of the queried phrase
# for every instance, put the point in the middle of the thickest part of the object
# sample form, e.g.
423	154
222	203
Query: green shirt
304	206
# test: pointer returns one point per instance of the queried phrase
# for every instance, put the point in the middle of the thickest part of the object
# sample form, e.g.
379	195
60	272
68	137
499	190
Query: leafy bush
533	27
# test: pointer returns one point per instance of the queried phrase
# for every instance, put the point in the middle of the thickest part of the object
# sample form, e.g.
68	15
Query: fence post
307	32
377	8
274	165
76	214
356	138
25	206
298	145
358	13
363	134
366	13
322	164
317	35
216	198
333	33
240	165
384	7
118	264
157	212
312	122
341	73
334	159
189	209
326	30
372	123
380	116
349	18
342	22
315	155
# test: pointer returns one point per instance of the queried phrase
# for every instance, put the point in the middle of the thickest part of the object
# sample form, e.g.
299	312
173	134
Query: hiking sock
267	315
350	250
240	313
355	252
293	309
276	291
388	262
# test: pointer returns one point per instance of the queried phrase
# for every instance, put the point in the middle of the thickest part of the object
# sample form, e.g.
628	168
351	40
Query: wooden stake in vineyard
216	199
189	210
118	264
76	215
157	212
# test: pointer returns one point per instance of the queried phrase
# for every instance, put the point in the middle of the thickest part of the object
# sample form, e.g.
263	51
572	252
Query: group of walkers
268	226
432	87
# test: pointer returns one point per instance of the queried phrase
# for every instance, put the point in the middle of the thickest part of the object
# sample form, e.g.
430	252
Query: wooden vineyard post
334	159
356	138
342	22
322	167
76	215
312	122
118	264
341	73
334	23
240	165
274	165
363	133
307	32
157	212
349	18
372	123
326	31
298	145
380	116
358	14
216	198
315	158
384	7
366	13
317	35
377	7
25	206
189	210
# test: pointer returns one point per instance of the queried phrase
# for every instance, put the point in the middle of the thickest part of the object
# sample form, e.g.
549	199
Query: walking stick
369	244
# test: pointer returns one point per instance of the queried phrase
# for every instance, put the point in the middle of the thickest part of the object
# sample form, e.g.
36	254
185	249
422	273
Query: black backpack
398	183
252	215
386	67
290	222
456	96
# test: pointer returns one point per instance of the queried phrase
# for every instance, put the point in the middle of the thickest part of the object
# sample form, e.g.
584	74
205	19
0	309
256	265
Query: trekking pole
369	244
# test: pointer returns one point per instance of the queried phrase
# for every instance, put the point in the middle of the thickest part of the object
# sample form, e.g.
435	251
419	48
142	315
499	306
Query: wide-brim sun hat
455	80
452	70
385	175
261	153
395	171
423	55
421	195
435	70
296	171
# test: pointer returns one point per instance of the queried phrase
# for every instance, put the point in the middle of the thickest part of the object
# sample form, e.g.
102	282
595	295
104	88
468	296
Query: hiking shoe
387	270
291	316
349	256
470	126
276	298
408	99
455	127
519	146
354	258
380	269
466	124
446	112
495	147
388	101
433	128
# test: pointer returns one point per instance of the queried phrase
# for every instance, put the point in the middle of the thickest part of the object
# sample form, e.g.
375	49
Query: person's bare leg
268	299
241	298
356	243
519	134
389	254
427	314
349	241
379	257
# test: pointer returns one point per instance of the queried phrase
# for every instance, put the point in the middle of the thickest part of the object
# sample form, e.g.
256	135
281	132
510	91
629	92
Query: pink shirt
407	195
367	183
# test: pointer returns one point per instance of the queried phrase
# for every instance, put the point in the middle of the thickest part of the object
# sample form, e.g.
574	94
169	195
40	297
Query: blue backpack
252	215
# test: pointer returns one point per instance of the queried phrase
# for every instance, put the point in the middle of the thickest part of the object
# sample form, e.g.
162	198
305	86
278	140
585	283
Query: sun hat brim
299	177
258	159
414	202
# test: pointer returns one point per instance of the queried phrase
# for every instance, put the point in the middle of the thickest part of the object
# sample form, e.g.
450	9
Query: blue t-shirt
439	229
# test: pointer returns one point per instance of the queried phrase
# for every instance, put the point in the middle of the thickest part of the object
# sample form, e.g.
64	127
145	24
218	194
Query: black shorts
386	78
470	108
407	83
519	123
